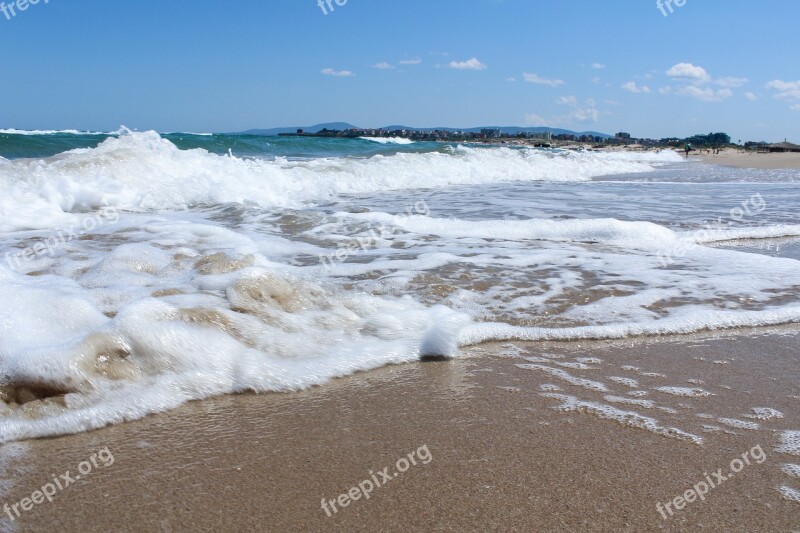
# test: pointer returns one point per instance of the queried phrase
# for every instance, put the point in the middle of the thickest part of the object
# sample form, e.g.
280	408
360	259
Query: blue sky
604	65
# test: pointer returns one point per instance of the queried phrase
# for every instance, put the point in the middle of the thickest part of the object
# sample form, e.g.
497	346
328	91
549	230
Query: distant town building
783	147
623	135
565	137
543	136
488	133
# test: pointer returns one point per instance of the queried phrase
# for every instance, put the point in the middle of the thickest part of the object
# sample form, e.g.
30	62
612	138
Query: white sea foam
144	171
628	382
549	387
12	457
738	424
764	413
790	493
791	469
388	140
210	282
706	319
684	391
790	443
608	231
148	326
721	235
569	378
48	132
627	418
647	404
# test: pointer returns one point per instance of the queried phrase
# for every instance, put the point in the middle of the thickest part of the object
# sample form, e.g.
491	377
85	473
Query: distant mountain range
508	130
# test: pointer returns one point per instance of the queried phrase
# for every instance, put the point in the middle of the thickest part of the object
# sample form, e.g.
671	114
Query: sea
143	270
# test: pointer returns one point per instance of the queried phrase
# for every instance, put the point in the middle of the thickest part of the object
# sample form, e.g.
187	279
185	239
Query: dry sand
503	459
734	158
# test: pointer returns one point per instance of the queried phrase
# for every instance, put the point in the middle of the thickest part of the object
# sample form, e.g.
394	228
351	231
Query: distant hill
508	130
307	129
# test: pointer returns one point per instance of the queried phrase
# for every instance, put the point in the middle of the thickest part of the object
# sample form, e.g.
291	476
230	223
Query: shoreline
501	455
737	159
727	158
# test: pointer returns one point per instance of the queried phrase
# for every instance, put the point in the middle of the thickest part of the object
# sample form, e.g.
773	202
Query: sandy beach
737	159
501	456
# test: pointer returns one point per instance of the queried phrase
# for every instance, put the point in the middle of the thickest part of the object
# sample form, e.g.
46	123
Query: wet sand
737	159
502	458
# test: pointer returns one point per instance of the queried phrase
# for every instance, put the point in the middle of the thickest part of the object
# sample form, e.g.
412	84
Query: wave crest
144	171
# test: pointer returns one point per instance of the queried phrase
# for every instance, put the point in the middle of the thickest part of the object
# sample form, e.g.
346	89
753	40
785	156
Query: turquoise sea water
15	145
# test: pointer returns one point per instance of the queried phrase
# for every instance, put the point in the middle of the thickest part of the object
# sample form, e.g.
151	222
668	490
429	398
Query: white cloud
665	90
470	64
596	80
579	113
785	90
511	79
383	65
795	107
338	73
598	66
534	78
533	119
687	71
705	95
586	114
415	61
731	82
631	87
751	96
